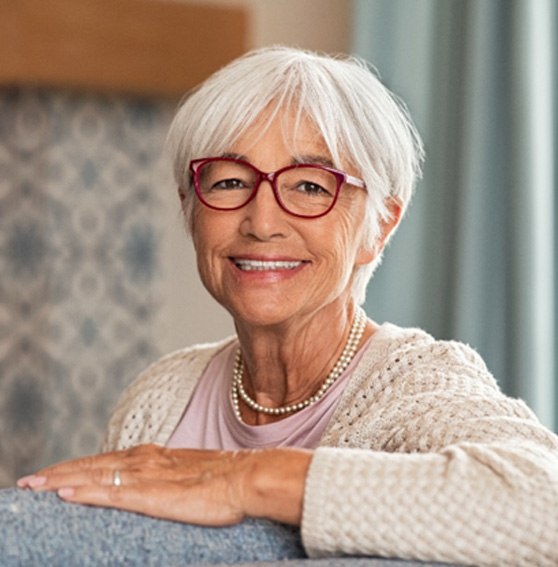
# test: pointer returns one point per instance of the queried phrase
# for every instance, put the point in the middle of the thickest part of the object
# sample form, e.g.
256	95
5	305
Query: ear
369	253
387	226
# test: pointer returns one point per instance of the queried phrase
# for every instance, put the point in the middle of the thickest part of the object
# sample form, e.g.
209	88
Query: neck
287	364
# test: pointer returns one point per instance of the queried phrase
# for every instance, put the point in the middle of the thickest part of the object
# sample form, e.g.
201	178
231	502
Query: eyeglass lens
308	191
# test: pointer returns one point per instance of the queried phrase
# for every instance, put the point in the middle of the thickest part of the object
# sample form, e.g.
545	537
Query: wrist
273	484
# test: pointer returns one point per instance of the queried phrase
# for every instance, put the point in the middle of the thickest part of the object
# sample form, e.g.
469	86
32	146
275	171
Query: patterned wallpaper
79	279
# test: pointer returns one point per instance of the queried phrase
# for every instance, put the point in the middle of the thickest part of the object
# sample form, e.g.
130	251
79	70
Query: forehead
284	132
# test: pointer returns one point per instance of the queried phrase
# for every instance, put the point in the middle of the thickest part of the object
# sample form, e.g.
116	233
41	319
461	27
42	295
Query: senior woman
294	169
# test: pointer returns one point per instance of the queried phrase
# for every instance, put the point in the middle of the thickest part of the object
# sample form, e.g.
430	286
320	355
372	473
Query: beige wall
322	25
189	314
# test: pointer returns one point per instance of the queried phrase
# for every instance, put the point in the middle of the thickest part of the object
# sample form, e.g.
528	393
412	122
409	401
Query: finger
31	481
169	501
77	472
104	460
143	462
129	458
98	477
140	455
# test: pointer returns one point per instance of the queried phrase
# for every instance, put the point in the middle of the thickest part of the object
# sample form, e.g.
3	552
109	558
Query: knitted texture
455	471
151	407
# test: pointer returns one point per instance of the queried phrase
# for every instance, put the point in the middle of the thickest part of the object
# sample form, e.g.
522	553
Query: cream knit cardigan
424	458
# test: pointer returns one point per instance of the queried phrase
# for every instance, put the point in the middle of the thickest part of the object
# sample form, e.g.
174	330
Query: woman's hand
188	485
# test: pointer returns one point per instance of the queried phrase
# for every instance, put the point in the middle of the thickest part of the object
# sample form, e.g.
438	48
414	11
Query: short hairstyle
362	123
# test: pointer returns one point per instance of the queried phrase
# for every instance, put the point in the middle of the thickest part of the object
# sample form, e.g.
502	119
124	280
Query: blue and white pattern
79	284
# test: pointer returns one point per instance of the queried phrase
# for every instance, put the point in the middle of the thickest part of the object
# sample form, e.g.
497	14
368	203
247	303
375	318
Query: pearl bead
349	351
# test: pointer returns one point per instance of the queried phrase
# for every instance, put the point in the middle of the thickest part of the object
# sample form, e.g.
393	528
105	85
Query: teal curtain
475	259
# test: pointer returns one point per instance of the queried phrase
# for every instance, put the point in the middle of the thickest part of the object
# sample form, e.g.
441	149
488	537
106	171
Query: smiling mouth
264	265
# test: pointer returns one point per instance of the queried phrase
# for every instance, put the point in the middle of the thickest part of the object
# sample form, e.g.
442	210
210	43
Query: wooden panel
134	46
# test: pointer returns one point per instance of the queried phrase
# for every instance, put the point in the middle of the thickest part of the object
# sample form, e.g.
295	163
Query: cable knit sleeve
458	472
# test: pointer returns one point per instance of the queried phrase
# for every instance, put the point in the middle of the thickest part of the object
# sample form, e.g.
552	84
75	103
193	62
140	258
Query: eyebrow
231	155
313	158
296	160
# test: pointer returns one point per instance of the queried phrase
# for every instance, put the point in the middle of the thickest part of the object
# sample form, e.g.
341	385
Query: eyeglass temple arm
354	181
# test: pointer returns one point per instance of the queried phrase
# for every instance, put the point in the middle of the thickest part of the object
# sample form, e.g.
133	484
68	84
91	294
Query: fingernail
31	481
23	481
66	492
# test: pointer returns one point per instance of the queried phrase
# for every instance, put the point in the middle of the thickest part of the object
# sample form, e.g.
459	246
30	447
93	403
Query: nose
264	219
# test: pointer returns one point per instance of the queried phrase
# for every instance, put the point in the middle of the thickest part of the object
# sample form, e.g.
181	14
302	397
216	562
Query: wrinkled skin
194	486
292	326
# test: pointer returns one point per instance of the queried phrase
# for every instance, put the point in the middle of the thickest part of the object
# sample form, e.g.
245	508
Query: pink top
209	421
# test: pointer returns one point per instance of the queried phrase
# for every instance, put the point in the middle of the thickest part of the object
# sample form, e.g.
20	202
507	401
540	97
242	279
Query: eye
312	188
307	181
222	176
228	184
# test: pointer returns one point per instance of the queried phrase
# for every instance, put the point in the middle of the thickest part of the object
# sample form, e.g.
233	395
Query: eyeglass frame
341	177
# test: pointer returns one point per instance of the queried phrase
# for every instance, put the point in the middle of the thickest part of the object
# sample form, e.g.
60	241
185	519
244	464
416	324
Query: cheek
351	233
207	229
212	233
201	258
203	245
198	241
352	246
340	245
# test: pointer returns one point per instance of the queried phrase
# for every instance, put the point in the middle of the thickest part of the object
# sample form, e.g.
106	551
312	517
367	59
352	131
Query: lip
256	266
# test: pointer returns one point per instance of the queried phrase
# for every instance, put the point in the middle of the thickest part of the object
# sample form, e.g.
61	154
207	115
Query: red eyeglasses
304	190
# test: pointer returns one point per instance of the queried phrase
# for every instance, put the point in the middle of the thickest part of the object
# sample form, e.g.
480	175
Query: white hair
362	123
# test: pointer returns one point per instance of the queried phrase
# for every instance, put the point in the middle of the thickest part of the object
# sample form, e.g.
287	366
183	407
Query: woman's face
303	264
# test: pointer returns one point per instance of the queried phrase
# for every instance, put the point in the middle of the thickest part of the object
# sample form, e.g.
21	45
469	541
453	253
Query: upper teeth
266	265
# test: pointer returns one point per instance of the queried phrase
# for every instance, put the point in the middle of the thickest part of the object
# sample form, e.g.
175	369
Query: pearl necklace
353	340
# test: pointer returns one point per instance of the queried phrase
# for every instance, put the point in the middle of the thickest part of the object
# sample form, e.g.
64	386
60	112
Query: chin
262	314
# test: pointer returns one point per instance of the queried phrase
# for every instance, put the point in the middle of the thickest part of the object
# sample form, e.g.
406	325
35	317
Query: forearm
476	505
274	482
